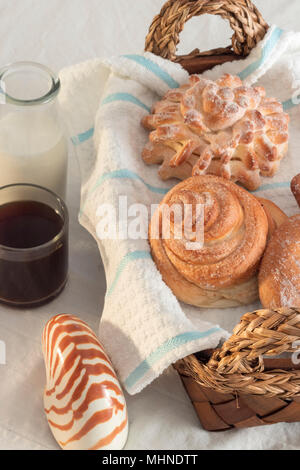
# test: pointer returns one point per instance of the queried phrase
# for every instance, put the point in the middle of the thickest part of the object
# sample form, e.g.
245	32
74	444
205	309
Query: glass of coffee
34	226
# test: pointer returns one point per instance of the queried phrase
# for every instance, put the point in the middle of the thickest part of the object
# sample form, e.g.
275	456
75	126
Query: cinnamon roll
212	262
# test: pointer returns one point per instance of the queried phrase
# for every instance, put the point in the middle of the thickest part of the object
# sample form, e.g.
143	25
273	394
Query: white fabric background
61	33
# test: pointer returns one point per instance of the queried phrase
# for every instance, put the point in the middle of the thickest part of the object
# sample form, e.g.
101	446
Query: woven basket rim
239	365
247	23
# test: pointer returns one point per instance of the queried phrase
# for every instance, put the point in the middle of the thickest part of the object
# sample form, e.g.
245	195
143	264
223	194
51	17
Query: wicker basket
247	23
238	385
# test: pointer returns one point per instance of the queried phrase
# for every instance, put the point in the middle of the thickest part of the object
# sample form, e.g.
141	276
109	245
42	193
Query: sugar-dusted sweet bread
222	128
222	272
279	276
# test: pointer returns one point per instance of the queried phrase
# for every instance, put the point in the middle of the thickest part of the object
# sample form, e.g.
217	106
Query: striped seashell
84	403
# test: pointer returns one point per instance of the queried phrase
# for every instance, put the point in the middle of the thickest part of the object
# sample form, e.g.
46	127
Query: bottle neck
27	84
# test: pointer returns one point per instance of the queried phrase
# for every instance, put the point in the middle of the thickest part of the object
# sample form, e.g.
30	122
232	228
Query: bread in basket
246	382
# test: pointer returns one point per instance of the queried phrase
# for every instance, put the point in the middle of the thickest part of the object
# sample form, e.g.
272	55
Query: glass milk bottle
33	148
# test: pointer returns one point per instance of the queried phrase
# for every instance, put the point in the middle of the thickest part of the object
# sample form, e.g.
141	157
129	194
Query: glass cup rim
46	98
57	237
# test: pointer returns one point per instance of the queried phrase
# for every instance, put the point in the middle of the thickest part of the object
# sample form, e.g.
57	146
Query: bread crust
279	276
295	187
276	217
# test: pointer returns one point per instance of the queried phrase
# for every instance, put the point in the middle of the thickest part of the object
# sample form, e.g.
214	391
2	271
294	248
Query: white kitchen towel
143	327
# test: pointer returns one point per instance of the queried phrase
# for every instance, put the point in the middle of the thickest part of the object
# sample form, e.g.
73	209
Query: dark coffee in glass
33	245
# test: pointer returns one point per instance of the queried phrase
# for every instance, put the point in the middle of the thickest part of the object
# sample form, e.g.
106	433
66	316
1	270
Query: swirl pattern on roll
221	272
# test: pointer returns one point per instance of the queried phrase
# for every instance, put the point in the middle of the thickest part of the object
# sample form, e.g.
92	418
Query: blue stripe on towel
80	138
135	255
125	174
289	104
125	97
163	350
131	175
268	48
154	68
266	187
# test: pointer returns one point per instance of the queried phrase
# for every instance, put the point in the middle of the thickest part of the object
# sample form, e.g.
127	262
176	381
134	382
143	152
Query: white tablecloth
60	33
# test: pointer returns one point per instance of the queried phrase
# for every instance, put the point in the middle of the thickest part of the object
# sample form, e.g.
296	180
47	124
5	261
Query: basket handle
260	333
246	21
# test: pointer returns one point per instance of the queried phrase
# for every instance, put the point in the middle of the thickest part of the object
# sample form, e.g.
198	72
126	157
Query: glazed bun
223	272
